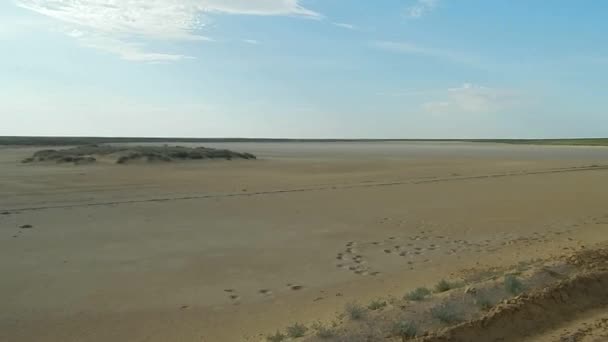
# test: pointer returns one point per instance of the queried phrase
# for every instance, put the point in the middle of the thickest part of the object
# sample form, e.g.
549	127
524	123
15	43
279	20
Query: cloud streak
421	8
470	98
413	49
345	26
128	51
119	27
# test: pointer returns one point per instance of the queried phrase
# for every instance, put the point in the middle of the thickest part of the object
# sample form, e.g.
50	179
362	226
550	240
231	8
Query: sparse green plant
446	313
323	331
355	311
277	337
484	303
443	286
404	329
296	330
377	304
418	294
513	285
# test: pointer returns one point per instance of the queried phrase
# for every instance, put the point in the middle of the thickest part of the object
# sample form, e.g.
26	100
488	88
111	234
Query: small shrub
443	286
179	154
355	311
376	304
296	330
445	313
277	337
404	329
418	294
484	303
513	285
323	331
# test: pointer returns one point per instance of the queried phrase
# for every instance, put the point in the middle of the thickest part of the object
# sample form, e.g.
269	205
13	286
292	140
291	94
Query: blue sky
304	69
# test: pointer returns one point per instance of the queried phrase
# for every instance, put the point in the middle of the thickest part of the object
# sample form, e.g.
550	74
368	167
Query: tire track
311	189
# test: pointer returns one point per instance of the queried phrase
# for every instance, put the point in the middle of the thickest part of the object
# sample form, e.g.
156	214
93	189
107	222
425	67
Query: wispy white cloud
470	98
421	8
255	7
128	51
345	25
251	41
413	49
126	22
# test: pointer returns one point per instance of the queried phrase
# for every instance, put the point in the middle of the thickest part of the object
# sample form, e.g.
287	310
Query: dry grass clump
276	337
444	286
377	304
323	331
296	330
355	311
446	313
404	329
418	294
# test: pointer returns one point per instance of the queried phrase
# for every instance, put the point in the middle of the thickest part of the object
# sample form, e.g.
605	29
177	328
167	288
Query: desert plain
219	250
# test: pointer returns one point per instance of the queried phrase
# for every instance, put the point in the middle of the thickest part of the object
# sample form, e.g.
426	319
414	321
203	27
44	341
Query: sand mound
552	293
541	309
529	314
126	154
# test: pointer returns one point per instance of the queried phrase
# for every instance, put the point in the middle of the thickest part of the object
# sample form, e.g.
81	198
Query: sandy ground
232	250
588	327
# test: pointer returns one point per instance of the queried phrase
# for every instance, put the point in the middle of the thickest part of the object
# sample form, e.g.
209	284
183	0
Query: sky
304	68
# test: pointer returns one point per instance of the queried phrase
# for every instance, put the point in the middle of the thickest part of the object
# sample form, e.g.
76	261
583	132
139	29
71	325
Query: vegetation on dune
276	337
484	303
376	304
438	317
418	294
125	154
404	329
323	331
446	313
444	285
513	285
355	311
296	330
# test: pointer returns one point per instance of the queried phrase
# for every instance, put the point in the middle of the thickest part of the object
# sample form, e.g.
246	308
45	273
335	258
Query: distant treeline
75	141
